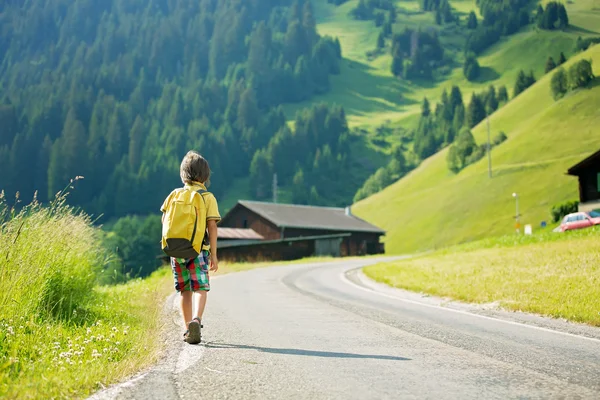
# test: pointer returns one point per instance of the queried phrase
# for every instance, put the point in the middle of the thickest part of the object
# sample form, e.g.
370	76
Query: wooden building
296	231
588	174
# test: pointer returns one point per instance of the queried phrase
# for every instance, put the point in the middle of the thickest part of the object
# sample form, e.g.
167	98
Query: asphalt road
326	332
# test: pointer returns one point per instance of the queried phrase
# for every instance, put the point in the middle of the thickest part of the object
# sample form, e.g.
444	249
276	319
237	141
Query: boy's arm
212	234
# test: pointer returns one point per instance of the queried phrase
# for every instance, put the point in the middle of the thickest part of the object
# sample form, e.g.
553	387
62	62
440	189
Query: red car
580	220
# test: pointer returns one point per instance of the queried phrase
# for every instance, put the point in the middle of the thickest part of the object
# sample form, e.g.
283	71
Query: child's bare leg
186	307
200	302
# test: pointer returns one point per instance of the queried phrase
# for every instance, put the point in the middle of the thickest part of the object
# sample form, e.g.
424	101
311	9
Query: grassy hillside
432	207
372	96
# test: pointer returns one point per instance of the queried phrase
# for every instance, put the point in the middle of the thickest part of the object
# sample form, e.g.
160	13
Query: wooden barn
294	231
588	173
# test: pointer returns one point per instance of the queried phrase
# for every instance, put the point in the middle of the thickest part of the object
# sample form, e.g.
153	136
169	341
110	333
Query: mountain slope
432	207
372	96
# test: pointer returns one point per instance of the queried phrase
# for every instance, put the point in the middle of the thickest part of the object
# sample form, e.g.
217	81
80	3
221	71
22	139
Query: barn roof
309	217
238	233
594	159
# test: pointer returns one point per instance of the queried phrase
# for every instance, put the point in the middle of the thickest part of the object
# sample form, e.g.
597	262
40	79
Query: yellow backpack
184	225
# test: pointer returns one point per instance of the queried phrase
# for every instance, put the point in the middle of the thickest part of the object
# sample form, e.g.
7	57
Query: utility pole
274	188
489	147
518	224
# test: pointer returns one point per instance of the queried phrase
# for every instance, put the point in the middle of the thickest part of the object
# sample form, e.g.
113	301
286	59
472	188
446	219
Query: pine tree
563	19
459	118
425	108
309	23
296	42
539	16
438	16
136	137
393	15
300	194
475	111
248	112
491	100
261	174
67	161
455	97
559	84
561	59
502	94
387	29
550	65
397	63
379	19
471	67
472	20
295	14
520	84
380	41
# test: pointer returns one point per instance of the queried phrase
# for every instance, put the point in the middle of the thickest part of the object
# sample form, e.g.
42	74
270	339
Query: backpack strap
204	239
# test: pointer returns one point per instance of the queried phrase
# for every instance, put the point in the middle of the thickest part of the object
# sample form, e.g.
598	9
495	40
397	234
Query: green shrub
558	211
499	139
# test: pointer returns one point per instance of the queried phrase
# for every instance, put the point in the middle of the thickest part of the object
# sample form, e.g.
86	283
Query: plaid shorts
191	274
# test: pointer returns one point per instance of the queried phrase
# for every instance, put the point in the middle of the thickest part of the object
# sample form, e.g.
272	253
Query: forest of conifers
117	91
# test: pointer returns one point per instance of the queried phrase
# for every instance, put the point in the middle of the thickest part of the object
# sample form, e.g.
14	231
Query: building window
245	223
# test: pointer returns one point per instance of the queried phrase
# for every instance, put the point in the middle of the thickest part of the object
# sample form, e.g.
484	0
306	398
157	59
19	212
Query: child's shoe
193	334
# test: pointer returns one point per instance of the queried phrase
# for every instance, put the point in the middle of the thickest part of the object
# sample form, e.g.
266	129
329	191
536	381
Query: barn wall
244	218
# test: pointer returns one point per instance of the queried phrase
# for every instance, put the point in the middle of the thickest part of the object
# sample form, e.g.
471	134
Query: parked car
580	220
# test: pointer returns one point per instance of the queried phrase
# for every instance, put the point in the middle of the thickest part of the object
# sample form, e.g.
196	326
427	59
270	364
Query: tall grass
49	259
61	334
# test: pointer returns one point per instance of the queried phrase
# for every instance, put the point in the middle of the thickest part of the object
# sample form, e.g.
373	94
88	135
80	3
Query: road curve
323	331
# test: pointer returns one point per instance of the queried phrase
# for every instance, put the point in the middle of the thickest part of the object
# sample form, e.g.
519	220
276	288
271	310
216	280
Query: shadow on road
300	352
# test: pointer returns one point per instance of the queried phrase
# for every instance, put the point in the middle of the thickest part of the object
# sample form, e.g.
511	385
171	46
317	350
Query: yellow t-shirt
212	208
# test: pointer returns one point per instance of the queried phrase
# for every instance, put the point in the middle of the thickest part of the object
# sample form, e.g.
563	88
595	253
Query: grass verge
62	335
558	278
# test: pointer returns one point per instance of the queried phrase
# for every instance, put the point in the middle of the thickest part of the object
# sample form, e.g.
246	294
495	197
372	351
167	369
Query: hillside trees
471	67
472	21
316	152
129	87
559	84
554	16
422	51
578	76
523	82
500	18
550	65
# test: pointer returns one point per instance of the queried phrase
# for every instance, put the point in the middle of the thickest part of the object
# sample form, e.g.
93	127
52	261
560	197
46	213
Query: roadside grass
559	276
62	335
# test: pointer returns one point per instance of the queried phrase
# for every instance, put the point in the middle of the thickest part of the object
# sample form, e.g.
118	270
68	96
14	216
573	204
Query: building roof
238	233
284	240
591	160
309	217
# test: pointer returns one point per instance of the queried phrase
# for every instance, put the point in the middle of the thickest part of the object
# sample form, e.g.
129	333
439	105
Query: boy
191	275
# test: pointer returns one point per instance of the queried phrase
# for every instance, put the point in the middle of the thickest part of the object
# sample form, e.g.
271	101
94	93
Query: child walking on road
190	216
